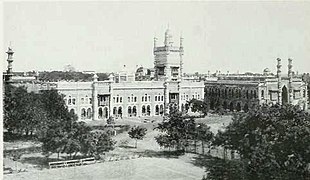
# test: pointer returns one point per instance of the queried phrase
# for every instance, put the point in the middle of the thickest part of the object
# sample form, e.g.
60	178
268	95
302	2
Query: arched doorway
284	95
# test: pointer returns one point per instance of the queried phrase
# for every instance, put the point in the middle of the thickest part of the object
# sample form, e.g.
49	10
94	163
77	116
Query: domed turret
266	72
168	38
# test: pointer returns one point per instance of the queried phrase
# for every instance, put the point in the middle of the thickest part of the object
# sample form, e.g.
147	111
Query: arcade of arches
232	99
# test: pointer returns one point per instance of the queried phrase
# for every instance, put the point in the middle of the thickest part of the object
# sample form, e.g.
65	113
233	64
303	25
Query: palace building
153	91
241	92
123	96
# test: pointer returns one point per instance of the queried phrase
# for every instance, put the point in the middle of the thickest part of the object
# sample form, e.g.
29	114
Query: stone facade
243	92
99	100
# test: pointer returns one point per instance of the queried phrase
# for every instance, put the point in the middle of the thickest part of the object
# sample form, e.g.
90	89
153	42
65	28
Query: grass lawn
153	165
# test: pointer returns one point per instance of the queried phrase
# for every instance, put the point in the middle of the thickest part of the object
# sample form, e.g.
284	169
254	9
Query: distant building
241	92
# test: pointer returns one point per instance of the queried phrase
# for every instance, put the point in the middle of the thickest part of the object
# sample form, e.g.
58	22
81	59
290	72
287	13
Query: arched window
88	113
83	113
129	111
143	110
231	106
142	98
105	112
73	101
69	100
145	97
148	110
161	109
155	98
156	110
100	113
135	99
114	111
134	111
120	112
128	99
262	94
238	108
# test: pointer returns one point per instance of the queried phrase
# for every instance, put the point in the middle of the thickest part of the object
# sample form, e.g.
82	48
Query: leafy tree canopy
273	141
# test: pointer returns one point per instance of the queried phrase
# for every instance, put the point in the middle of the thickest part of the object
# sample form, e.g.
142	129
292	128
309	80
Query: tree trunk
136	143
58	155
203	148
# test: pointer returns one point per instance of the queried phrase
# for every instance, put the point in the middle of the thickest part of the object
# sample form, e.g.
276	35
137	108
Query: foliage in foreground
274	142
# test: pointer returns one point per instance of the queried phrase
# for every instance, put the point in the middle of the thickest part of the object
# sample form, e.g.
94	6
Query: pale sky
103	36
